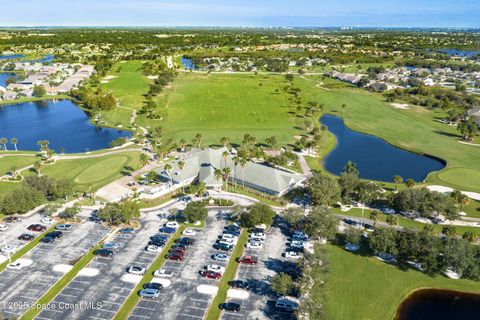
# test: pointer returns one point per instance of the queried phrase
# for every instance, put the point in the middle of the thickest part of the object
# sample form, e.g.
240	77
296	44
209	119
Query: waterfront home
27	93
19	86
200	165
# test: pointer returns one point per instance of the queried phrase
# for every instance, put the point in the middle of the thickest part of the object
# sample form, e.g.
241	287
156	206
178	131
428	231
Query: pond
11	56
62	123
375	158
187	63
3	78
430	304
460	53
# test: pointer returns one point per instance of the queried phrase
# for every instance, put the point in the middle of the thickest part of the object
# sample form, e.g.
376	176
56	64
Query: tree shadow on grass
447	134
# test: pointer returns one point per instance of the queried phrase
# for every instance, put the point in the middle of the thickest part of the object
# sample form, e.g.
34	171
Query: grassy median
214	312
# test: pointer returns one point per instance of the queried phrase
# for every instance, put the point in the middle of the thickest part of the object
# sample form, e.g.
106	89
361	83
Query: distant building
200	165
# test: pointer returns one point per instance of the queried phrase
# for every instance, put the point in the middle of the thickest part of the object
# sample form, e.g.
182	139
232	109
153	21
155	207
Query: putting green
463	177
101	170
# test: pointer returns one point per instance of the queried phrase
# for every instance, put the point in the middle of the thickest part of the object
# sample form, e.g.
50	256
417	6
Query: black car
54	234
26	237
229	306
11	220
158	243
48	239
159	237
103	253
223	247
239	284
153	285
185	241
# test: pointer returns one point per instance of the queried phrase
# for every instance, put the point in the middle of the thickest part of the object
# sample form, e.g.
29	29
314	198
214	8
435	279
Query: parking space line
145	308
138	316
92	317
191	316
38	317
199	300
112	302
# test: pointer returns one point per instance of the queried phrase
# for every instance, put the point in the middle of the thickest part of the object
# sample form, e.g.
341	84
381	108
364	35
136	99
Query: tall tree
4	142
14	141
397	180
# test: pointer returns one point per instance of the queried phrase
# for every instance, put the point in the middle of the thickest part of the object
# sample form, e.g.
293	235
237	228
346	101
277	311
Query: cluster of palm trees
4	141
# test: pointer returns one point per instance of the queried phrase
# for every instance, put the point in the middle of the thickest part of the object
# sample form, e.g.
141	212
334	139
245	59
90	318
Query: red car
211	274
177	256
248	260
179	250
37	227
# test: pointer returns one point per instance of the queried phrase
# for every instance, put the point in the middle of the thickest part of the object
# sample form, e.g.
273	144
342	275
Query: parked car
26	237
64	227
172	224
292	255
48	239
153	248
223	247
103	253
112	245
11	220
258	235
189	232
159	237
3	227
230	306
214	268
221	257
179	250
186	241
127	231
162	273
136	270
149	293
254	245
15	266
47	220
153	285
55	234
240	284
167	230
285	305
211	274
7	249
175	256
248	260
158	243
37	227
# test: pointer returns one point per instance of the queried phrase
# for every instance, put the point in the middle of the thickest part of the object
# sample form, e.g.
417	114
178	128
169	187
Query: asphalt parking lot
260	304
31	282
102	294
181	300
16	229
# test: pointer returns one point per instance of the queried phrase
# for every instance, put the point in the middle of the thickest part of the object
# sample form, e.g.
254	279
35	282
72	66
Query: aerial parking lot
44	265
105	283
260	302
188	294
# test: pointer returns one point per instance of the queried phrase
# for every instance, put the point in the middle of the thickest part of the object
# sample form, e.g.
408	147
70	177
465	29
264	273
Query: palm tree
463	200
217	174
182	144
181	165
168	169
144	160
224	141
235	164
197	140
225	174
397	180
225	156
37	165
4	142
243	164
14	141
410	183
374	216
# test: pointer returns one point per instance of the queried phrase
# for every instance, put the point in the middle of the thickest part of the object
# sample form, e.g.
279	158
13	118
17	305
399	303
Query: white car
163	273
15	266
221	257
254	245
7	249
189	232
256	239
3	227
153	248
215	268
229	236
297	244
227	240
292	255
172	224
47	220
259	235
136	270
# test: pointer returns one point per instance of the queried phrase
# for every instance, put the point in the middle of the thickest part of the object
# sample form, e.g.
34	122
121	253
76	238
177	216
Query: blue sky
363	13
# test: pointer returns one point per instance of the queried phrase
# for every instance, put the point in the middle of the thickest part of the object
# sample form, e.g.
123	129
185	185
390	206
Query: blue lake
188	63
375	158
3	78
461	53
60	122
11	56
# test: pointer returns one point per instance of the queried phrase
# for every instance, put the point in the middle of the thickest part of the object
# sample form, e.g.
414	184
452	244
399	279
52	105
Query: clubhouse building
200	165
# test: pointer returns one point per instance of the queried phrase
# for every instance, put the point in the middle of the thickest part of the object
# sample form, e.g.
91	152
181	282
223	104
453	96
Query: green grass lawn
217	105
94	172
361	287
7	163
414	129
